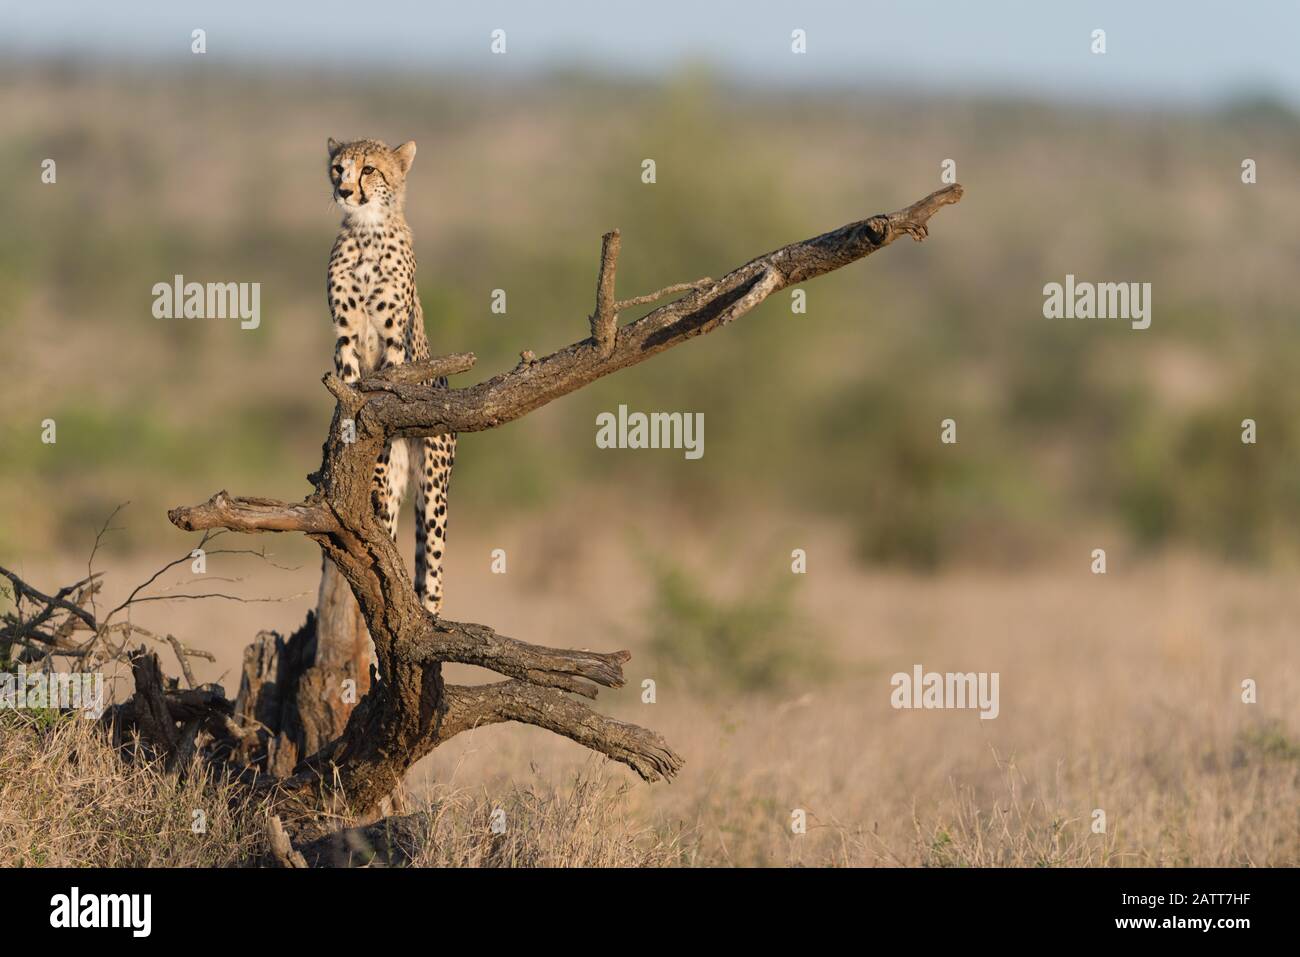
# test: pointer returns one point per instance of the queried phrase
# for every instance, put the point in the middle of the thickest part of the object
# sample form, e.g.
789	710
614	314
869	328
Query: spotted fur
378	322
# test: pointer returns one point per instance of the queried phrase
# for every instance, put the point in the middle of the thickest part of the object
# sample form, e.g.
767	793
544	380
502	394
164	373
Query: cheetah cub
378	323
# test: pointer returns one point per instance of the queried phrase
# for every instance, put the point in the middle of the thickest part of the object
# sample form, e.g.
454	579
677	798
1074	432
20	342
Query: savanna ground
1118	692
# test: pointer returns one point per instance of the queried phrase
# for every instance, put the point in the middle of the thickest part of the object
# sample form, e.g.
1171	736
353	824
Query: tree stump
297	692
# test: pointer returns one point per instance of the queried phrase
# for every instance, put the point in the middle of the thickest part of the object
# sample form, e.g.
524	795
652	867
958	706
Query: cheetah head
369	179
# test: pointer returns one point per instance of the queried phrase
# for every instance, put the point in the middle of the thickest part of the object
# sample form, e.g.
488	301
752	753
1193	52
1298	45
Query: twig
666	291
605	317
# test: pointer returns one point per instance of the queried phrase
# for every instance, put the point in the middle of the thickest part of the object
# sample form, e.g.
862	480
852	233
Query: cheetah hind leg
432	479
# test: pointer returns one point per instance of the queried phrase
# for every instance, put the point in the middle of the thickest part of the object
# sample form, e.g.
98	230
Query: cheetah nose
345	193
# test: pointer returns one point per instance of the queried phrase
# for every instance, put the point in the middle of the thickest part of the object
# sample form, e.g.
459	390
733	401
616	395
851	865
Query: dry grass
585	823
67	800
1119	692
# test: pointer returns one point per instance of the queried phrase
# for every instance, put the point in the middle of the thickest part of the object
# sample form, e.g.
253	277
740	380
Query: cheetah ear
333	146
405	155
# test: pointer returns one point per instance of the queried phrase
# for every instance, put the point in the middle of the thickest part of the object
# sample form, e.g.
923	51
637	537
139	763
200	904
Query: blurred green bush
835	411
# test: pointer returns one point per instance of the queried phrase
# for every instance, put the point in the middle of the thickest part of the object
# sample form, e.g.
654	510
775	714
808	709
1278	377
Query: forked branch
707	305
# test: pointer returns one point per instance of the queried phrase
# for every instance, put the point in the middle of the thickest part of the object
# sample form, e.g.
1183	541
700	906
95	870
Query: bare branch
207	537
643	751
181	657
472	644
666	291
183	653
510	395
415	373
52	602
218	594
254	515
94	549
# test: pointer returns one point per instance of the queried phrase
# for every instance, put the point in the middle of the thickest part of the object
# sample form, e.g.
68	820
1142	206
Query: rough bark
284	695
411	710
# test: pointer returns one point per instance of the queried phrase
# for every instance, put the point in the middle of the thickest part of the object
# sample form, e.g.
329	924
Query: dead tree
411	710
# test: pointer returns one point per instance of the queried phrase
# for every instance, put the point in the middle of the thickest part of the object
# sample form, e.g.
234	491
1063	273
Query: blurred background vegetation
220	176
821	429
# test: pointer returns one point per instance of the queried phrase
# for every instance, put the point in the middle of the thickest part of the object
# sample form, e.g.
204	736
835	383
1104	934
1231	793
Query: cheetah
378	323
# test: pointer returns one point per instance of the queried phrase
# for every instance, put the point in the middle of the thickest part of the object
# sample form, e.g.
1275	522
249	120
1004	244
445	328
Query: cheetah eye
367	170
338	170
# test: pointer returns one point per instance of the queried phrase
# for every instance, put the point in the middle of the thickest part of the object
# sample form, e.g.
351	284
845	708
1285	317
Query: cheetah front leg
390	318
389	485
355	336
349	328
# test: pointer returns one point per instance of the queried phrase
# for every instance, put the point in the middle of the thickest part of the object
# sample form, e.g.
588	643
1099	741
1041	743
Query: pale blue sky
1161	50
